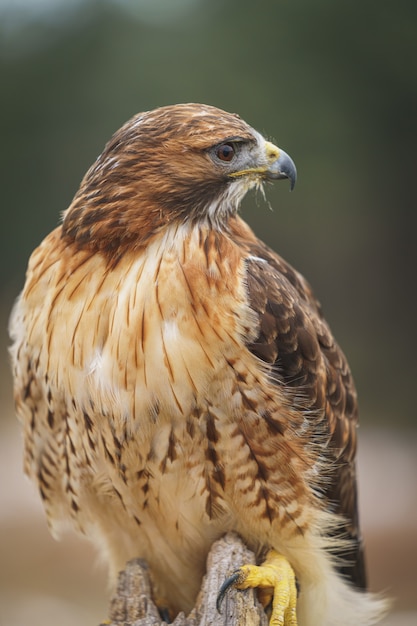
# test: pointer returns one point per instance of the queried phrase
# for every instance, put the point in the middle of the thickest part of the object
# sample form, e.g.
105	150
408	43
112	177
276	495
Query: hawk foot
275	579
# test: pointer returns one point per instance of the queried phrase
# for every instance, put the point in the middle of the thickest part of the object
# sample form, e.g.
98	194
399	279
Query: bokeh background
333	83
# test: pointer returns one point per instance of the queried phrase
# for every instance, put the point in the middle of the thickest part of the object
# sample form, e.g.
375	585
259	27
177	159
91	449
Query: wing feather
294	336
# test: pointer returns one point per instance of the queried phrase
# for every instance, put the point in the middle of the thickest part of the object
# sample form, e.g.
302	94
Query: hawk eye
226	152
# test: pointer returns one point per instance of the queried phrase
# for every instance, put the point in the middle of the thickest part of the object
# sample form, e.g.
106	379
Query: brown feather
176	379
294	337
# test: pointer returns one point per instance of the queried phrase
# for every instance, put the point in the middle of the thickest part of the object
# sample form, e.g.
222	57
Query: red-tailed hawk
176	378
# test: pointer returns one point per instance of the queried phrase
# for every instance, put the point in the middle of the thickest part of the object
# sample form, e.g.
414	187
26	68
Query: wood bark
132	603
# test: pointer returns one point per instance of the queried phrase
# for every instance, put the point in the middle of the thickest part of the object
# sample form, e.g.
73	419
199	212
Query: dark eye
226	152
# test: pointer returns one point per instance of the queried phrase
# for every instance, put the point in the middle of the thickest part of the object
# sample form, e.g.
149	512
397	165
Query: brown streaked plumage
176	378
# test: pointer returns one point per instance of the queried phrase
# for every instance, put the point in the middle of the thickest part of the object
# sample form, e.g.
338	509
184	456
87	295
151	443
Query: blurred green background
333	83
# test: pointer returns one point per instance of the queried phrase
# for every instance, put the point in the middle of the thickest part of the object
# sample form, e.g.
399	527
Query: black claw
164	613
229	582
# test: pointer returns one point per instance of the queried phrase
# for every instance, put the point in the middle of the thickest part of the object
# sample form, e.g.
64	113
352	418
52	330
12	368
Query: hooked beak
281	165
274	164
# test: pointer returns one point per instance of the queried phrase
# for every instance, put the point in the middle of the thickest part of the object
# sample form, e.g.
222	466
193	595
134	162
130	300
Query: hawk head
186	162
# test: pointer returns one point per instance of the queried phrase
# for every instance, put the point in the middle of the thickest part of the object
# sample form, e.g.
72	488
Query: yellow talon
277	579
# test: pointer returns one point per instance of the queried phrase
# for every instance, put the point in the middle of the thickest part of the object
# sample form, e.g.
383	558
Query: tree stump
132	604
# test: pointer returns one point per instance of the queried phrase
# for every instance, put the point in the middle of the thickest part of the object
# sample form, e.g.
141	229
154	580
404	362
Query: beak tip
283	167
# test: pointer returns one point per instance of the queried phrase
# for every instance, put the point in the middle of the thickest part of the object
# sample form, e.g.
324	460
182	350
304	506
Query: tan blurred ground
46	583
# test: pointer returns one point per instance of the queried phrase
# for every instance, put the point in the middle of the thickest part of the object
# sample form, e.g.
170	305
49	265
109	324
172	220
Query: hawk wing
295	338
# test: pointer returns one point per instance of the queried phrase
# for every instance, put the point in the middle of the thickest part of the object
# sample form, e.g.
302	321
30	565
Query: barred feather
176	379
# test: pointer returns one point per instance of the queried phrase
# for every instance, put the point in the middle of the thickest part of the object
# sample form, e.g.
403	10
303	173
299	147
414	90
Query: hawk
176	379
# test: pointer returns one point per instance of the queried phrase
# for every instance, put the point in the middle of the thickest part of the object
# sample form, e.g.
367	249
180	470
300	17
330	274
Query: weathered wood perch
132	604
